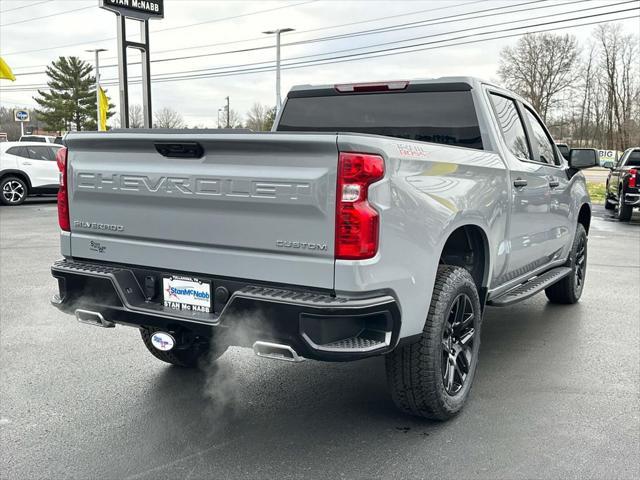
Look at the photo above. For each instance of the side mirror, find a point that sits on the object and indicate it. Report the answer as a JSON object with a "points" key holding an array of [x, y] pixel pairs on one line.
{"points": [[580, 158]]}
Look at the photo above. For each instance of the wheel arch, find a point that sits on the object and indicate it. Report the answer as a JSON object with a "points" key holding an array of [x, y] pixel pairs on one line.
{"points": [[584, 216], [16, 173], [467, 246]]}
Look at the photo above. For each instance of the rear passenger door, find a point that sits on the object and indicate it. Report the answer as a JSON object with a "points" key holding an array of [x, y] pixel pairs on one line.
{"points": [[559, 231], [527, 246], [25, 163], [44, 171]]}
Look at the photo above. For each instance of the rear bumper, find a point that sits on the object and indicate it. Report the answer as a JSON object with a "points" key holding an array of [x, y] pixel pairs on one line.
{"points": [[632, 199], [317, 324]]}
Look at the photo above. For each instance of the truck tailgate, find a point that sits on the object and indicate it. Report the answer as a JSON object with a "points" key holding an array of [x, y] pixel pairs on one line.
{"points": [[254, 206]]}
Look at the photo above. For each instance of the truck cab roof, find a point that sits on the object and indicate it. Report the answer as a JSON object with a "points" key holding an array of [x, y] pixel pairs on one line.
{"points": [[472, 82]]}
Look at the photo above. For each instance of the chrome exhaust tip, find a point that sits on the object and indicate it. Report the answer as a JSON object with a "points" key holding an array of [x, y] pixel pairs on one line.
{"points": [[93, 318], [56, 300], [276, 351]]}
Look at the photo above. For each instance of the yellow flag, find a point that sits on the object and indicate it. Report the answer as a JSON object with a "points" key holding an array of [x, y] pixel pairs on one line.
{"points": [[104, 107], [5, 71]]}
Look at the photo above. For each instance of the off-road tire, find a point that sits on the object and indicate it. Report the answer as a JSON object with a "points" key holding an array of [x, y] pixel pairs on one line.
{"points": [[197, 356], [623, 212], [11, 180], [567, 291], [415, 371]]}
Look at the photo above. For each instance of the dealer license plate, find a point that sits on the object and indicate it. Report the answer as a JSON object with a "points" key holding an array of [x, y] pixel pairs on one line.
{"points": [[185, 293]]}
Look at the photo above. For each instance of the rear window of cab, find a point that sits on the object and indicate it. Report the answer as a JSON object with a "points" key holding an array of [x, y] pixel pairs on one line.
{"points": [[446, 117]]}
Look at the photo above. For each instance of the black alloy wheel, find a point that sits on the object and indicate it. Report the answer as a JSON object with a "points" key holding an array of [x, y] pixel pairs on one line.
{"points": [[569, 289], [580, 265], [457, 344]]}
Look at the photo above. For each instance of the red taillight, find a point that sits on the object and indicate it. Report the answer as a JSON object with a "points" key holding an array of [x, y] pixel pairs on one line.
{"points": [[356, 220], [371, 87], [63, 197], [632, 179]]}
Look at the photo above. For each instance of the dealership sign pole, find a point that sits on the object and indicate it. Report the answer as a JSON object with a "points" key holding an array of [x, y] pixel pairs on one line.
{"points": [[142, 11], [21, 116]]}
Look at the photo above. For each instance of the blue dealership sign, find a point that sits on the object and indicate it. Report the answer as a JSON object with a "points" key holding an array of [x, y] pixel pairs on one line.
{"points": [[21, 115]]}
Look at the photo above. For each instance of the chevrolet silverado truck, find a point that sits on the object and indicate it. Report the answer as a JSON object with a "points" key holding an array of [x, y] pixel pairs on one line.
{"points": [[375, 219], [623, 185]]}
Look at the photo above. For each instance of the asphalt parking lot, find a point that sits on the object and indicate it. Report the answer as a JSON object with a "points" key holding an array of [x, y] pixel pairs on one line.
{"points": [[556, 396]]}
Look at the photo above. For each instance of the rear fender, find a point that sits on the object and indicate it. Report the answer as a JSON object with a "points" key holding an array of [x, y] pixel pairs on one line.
{"points": [[428, 191]]}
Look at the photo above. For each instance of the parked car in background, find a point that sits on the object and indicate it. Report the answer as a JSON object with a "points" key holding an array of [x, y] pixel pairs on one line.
{"points": [[38, 138], [27, 169], [623, 185], [3, 137]]}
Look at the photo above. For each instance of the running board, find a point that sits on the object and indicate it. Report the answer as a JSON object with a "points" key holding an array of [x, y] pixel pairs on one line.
{"points": [[530, 288]]}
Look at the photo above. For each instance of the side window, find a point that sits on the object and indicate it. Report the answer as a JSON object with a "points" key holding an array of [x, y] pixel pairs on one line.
{"points": [[633, 159], [40, 153], [546, 152], [511, 124], [18, 151]]}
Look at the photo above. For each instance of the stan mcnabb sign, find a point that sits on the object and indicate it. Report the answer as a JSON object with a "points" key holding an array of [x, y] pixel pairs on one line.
{"points": [[140, 9]]}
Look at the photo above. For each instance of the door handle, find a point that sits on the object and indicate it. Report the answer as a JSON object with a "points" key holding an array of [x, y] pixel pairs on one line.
{"points": [[180, 150], [26, 163], [554, 183], [519, 183]]}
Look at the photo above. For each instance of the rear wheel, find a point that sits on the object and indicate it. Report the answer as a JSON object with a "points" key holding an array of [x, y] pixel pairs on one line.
{"points": [[198, 354], [623, 212], [13, 191], [432, 377], [569, 289]]}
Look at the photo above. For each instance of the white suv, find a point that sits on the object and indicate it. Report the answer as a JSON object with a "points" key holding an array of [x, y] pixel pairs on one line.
{"points": [[27, 168]]}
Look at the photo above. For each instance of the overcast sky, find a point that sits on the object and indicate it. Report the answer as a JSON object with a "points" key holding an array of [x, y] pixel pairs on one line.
{"points": [[28, 43]]}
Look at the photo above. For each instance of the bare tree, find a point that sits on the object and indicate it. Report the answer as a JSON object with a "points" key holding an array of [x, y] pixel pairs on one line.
{"points": [[618, 59], [610, 97], [8, 125], [234, 119], [168, 118], [260, 117], [589, 102], [540, 67], [588, 88], [136, 119]]}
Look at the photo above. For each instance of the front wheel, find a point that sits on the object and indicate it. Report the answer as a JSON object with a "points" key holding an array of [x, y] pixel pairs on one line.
{"points": [[569, 289], [432, 377]]}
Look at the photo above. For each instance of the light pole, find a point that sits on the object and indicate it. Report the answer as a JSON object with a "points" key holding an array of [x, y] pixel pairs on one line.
{"points": [[228, 113], [219, 110], [97, 52], [278, 32]]}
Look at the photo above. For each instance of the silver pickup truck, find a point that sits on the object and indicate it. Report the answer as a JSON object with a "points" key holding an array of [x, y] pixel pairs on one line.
{"points": [[376, 219]]}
